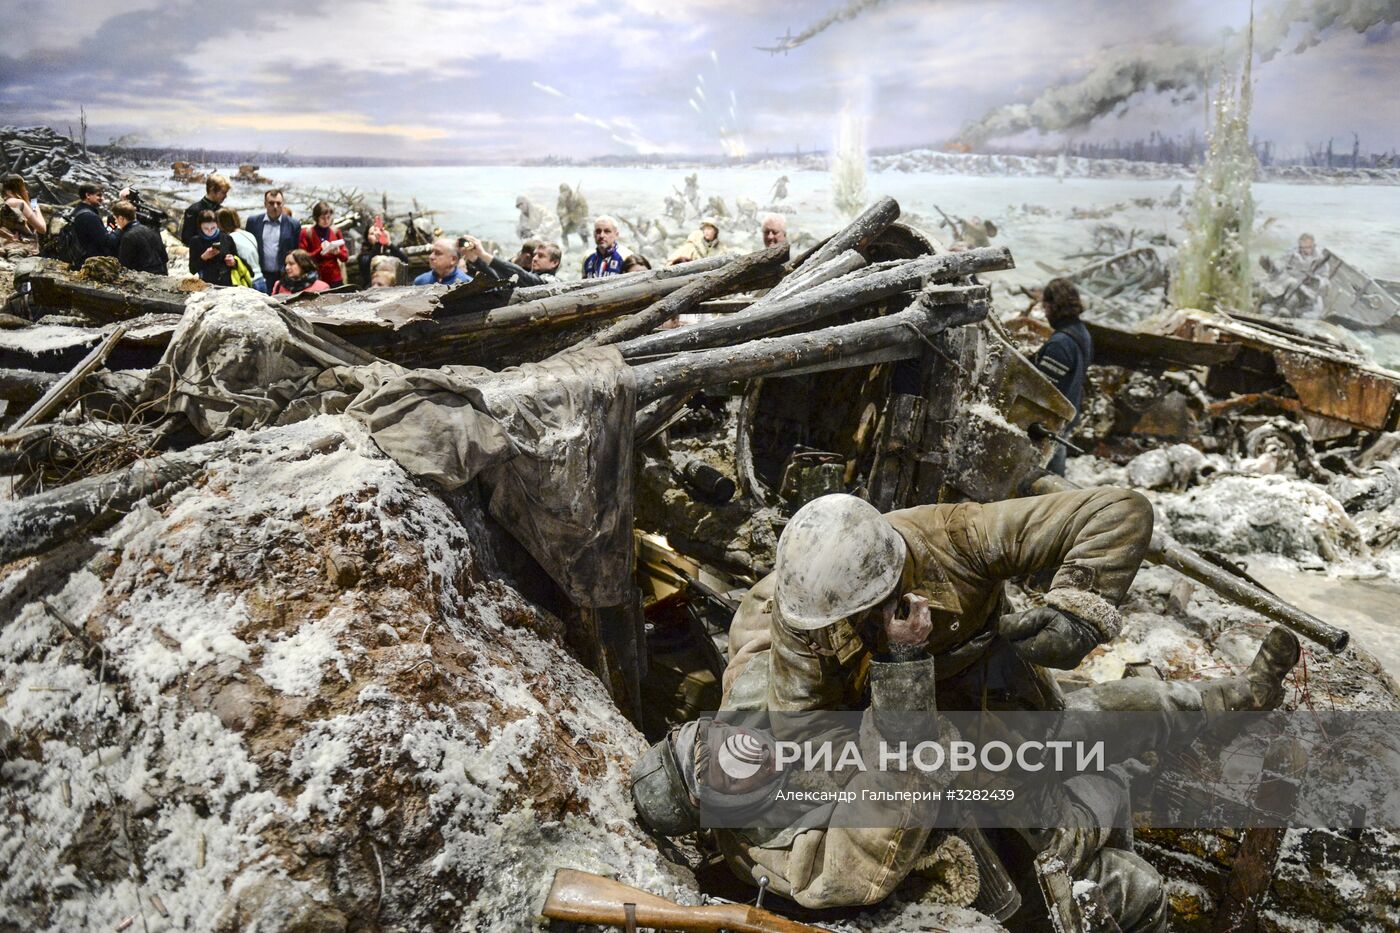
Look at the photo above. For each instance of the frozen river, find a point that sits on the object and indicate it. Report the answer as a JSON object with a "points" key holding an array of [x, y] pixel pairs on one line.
{"points": [[1361, 223], [1036, 215]]}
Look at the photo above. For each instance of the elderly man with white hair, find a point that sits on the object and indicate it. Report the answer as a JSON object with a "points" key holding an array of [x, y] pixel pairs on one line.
{"points": [[607, 257], [774, 230], [442, 265]]}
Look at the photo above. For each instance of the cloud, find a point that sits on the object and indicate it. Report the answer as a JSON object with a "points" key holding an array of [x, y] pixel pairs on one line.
{"points": [[583, 77], [339, 122]]}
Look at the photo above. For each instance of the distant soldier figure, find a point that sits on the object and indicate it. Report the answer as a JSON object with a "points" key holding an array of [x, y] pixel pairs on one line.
{"points": [[573, 214], [780, 191], [747, 212], [692, 190], [701, 244], [1307, 266], [536, 222], [975, 233], [675, 209], [715, 207]]}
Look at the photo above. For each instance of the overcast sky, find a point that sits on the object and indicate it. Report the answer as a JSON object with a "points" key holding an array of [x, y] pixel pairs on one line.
{"points": [[480, 81]]}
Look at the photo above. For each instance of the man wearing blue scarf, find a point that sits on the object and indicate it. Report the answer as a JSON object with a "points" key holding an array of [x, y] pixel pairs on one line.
{"points": [[607, 258]]}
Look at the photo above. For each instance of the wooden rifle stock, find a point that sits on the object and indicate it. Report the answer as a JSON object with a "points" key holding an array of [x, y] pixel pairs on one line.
{"points": [[581, 897]]}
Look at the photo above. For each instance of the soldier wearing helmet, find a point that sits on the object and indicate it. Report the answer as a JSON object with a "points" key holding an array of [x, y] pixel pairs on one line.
{"points": [[822, 632], [800, 640]]}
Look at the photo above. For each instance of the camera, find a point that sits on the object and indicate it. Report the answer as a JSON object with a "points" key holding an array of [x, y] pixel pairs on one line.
{"points": [[148, 215]]}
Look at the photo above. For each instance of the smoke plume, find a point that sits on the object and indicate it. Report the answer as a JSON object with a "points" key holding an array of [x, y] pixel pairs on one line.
{"points": [[1175, 68], [846, 13]]}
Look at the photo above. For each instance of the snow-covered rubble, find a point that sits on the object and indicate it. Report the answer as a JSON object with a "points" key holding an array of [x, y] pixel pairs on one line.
{"points": [[298, 696], [1326, 879], [1271, 514]]}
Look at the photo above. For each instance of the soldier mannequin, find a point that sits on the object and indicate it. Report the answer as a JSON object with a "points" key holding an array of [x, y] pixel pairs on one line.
{"points": [[820, 633]]}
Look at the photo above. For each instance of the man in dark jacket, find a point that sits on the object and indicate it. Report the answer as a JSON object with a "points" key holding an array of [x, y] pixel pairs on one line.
{"points": [[216, 188], [138, 247], [480, 262], [1066, 356], [277, 235], [90, 235]]}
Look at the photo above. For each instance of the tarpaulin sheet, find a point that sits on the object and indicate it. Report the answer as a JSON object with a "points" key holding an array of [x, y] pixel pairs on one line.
{"points": [[552, 440]]}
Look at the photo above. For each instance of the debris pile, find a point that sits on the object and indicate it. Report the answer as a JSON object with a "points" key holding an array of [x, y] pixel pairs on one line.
{"points": [[210, 644], [54, 165], [332, 613]]}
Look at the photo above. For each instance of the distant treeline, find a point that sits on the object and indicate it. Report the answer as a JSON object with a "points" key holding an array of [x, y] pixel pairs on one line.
{"points": [[1191, 150], [1178, 150], [165, 155]]}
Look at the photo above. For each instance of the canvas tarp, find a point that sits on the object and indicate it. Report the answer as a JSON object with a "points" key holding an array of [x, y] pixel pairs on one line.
{"points": [[551, 440]]}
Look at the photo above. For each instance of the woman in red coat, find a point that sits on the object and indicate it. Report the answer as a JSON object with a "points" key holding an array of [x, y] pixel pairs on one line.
{"points": [[325, 244]]}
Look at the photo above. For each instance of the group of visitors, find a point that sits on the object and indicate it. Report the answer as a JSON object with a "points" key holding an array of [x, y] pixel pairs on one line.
{"points": [[273, 253]]}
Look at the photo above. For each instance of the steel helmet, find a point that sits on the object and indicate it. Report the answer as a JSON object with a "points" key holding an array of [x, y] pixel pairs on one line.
{"points": [[837, 557]]}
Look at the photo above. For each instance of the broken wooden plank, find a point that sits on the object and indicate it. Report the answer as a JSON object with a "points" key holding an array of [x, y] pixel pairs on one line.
{"points": [[857, 235], [812, 276], [57, 396], [1253, 872], [656, 417]]}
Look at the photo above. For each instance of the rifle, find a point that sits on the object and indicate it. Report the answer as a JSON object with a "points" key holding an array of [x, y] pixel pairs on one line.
{"points": [[952, 224], [582, 897]]}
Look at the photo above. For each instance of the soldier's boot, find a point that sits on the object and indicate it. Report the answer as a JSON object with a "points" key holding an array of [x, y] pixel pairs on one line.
{"points": [[1260, 687]]}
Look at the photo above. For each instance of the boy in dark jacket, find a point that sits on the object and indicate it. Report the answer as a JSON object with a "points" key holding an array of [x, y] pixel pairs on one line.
{"points": [[138, 247], [1066, 356]]}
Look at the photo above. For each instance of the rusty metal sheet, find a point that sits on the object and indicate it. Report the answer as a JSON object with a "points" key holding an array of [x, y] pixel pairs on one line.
{"points": [[1329, 382], [1340, 390]]}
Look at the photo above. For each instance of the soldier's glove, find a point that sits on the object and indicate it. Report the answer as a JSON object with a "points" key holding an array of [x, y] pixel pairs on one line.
{"points": [[1049, 637]]}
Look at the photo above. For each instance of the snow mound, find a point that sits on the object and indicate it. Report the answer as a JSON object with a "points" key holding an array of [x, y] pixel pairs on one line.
{"points": [[1262, 515], [295, 697]]}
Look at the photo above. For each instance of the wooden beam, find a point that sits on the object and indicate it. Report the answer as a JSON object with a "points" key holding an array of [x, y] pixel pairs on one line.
{"points": [[811, 351], [732, 277], [852, 291], [57, 396]]}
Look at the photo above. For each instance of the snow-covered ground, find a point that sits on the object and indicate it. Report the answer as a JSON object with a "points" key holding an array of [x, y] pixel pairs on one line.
{"points": [[1358, 222], [299, 692], [1293, 536]]}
